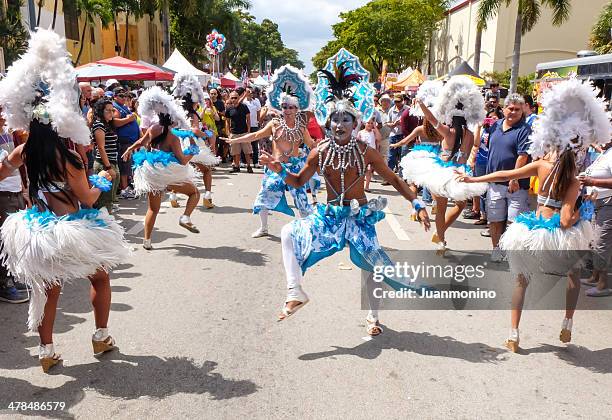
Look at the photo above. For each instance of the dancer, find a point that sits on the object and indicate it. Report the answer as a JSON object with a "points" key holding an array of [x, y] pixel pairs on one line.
{"points": [[290, 95], [342, 160], [188, 88], [549, 239], [57, 240], [459, 104], [165, 166]]}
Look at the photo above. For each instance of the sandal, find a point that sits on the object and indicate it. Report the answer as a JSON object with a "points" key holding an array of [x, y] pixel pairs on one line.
{"points": [[373, 327], [103, 346], [47, 357], [471, 215], [286, 312], [185, 222], [481, 222]]}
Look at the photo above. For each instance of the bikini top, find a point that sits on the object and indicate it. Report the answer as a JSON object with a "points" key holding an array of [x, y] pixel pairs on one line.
{"points": [[54, 189], [549, 202]]}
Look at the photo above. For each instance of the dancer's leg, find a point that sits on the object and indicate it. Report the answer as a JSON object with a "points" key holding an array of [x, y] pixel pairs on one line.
{"points": [[193, 196], [263, 219], [441, 203], [45, 330], [571, 294], [206, 176], [293, 271], [154, 205], [100, 295], [518, 298], [453, 214], [373, 302]]}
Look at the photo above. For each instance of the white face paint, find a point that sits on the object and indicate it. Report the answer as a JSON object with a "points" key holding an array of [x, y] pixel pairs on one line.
{"points": [[342, 126]]}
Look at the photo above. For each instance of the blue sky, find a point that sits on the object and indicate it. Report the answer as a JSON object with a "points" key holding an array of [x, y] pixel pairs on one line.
{"points": [[304, 26]]}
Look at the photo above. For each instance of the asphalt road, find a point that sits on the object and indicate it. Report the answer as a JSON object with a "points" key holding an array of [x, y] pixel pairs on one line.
{"points": [[195, 321]]}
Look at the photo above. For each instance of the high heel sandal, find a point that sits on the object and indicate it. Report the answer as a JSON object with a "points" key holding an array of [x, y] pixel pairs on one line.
{"points": [[373, 327], [47, 357], [103, 346], [174, 200], [512, 343], [566, 331]]}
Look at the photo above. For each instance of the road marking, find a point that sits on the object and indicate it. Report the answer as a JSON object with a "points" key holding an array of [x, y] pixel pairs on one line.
{"points": [[395, 225], [136, 229]]}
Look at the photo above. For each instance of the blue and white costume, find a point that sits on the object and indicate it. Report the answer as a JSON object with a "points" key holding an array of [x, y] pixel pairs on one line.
{"points": [[156, 169], [205, 156], [271, 196], [44, 250]]}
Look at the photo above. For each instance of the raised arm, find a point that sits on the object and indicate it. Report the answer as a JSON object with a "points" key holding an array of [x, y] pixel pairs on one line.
{"points": [[295, 180], [409, 138], [441, 127], [251, 137]]}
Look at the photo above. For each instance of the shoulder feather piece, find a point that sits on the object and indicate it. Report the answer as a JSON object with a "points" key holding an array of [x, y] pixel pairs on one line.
{"points": [[188, 84], [154, 101], [460, 97]]}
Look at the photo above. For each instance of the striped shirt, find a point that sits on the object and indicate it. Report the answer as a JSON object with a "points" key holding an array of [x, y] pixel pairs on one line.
{"points": [[110, 141]]}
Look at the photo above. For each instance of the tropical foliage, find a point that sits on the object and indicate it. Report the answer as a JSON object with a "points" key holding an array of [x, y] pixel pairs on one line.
{"points": [[601, 38]]}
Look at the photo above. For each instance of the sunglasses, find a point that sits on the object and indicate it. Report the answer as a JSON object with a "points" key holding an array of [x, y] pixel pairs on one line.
{"points": [[288, 107], [121, 95]]}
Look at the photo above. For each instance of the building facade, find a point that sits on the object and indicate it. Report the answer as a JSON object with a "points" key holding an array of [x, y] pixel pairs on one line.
{"points": [[144, 35], [455, 40]]}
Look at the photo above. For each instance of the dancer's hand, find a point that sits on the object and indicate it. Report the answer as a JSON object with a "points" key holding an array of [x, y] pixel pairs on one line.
{"points": [[267, 159], [225, 139], [462, 177], [424, 219], [127, 155], [105, 174]]}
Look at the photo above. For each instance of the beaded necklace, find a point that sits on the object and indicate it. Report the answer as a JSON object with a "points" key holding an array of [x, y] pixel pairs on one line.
{"points": [[344, 156], [292, 135]]}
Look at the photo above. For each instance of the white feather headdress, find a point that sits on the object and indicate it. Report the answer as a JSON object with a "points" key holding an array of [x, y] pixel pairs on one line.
{"points": [[188, 84], [46, 60], [154, 101], [573, 117], [428, 93], [460, 90]]}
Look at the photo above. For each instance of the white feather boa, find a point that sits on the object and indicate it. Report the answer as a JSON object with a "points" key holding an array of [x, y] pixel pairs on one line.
{"points": [[43, 250], [46, 60], [206, 156], [155, 177], [187, 83], [154, 101], [460, 89], [571, 110]]}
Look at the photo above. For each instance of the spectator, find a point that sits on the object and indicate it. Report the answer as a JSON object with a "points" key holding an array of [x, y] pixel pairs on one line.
{"points": [[370, 136], [480, 156], [529, 110], [111, 84], [394, 122], [385, 130], [408, 124], [508, 144], [210, 117], [254, 108], [107, 149], [11, 201], [493, 92], [128, 131], [598, 180], [86, 92], [219, 106], [237, 124]]}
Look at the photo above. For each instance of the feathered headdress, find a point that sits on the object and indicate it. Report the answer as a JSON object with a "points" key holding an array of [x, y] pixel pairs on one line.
{"points": [[188, 84], [343, 86], [42, 85], [460, 97], [289, 86], [428, 93], [573, 117], [154, 101]]}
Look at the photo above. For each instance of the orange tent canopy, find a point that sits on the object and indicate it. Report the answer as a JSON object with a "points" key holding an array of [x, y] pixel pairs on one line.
{"points": [[414, 79]]}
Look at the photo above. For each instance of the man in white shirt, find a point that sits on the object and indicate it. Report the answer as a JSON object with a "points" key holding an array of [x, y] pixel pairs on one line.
{"points": [[394, 123], [254, 107], [11, 201]]}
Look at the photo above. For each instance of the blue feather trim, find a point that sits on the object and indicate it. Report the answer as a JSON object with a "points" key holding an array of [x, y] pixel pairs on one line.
{"points": [[529, 219], [153, 157], [101, 183], [33, 216], [191, 150]]}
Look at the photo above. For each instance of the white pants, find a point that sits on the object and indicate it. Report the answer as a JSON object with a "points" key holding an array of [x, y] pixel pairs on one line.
{"points": [[293, 271]]}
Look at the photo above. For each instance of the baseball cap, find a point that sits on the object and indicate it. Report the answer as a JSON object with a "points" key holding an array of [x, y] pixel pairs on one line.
{"points": [[385, 97]]}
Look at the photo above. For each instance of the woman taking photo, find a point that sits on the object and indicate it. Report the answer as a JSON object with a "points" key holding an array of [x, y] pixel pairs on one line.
{"points": [[106, 150]]}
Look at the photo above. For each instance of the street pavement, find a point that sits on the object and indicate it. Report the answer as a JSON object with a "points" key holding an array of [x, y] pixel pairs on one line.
{"points": [[195, 321]]}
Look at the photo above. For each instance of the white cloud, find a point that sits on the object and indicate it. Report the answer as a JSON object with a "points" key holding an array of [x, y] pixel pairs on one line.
{"points": [[304, 26]]}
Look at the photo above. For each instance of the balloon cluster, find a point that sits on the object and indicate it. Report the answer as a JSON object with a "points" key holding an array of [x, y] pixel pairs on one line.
{"points": [[215, 42]]}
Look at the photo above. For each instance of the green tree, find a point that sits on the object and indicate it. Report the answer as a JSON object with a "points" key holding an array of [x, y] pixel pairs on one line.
{"points": [[601, 39], [394, 30], [528, 15], [524, 83], [91, 10], [13, 35]]}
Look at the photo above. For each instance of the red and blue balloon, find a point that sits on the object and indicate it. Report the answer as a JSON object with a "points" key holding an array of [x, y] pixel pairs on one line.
{"points": [[215, 42]]}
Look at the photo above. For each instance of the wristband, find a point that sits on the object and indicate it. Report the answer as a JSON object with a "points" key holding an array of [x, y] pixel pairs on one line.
{"points": [[418, 204], [101, 183], [283, 174], [192, 150]]}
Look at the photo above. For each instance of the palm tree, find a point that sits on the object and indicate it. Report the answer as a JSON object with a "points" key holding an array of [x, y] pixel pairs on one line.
{"points": [[40, 5], [477, 49], [93, 10], [527, 16]]}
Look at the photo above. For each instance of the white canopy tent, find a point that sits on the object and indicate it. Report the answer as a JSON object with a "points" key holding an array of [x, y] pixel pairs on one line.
{"points": [[178, 63], [260, 81]]}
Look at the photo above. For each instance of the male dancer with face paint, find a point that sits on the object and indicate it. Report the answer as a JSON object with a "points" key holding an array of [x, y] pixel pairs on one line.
{"points": [[347, 217]]}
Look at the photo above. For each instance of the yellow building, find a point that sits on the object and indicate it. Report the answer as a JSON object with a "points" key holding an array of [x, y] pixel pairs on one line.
{"points": [[455, 40], [144, 35]]}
